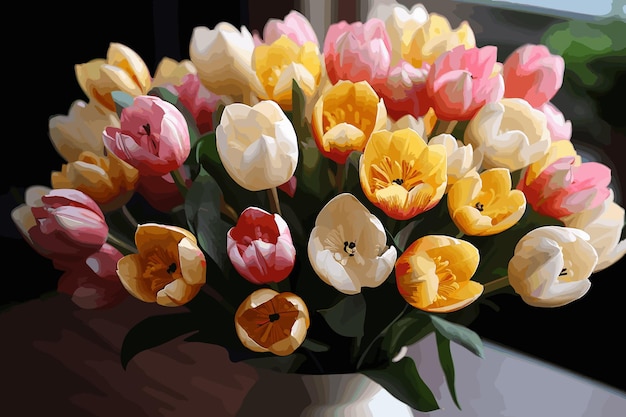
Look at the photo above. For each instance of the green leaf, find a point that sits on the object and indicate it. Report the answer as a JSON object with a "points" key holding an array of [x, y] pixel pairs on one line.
{"points": [[347, 317], [403, 381], [202, 210], [406, 331], [447, 365], [459, 334], [121, 100], [154, 331], [402, 237], [314, 345]]}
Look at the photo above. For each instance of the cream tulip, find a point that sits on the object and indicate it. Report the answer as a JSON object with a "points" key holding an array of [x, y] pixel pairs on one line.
{"points": [[604, 225], [223, 58], [401, 24], [257, 145], [462, 159], [170, 71], [551, 266], [510, 133], [347, 247], [80, 130]]}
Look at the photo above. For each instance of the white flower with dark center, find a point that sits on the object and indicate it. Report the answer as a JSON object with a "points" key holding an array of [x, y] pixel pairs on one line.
{"points": [[348, 246]]}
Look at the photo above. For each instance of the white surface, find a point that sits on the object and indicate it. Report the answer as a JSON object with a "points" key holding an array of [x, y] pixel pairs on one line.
{"points": [[509, 384]]}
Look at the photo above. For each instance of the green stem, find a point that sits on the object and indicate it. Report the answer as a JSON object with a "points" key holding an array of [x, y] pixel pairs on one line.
{"points": [[443, 126], [460, 235], [495, 285], [120, 245], [129, 217], [180, 182], [272, 194], [218, 297], [339, 177]]}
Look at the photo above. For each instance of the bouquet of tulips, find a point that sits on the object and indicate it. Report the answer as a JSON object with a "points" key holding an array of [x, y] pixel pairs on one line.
{"points": [[317, 207]]}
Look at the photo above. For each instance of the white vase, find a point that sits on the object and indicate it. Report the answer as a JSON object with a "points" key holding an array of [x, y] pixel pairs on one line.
{"points": [[328, 395]]}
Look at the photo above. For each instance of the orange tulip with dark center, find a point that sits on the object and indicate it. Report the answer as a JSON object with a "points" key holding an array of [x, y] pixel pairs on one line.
{"points": [[268, 321]]}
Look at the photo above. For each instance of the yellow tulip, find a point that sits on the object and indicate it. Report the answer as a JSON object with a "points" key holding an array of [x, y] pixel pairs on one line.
{"points": [[108, 180], [435, 37], [485, 204], [279, 63], [401, 174], [168, 269], [122, 70], [268, 321], [434, 274], [345, 117], [170, 71]]}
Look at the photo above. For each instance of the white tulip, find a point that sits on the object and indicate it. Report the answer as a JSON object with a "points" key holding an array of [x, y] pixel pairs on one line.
{"points": [[408, 121], [80, 130], [461, 158], [257, 145], [348, 246], [551, 266], [604, 225], [510, 133], [223, 58]]}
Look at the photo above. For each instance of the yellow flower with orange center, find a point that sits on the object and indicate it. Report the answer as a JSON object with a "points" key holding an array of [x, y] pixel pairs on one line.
{"points": [[168, 269], [401, 174], [483, 205], [345, 117], [268, 321], [279, 63], [434, 274], [108, 180]]}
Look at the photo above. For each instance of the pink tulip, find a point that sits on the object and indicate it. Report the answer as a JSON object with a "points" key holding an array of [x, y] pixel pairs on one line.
{"points": [[93, 282], [531, 72], [295, 25], [260, 246], [357, 51], [62, 223], [560, 129], [404, 90], [290, 186], [200, 102], [162, 193], [153, 136], [461, 81], [564, 188]]}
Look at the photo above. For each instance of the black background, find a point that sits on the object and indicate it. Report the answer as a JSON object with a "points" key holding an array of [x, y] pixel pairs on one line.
{"points": [[39, 57]]}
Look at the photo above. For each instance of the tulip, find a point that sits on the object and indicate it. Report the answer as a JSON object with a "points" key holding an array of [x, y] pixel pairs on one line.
{"points": [[483, 205], [401, 23], [347, 246], [161, 192], [345, 117], [462, 81], [60, 224], [122, 70], [604, 225], [200, 102], [436, 37], [260, 246], [80, 130], [223, 58], [551, 265], [401, 174], [281, 62], [409, 122], [169, 268], [153, 136], [257, 145], [172, 72], [434, 274], [559, 128], [357, 51], [566, 186], [108, 180], [295, 26], [462, 159], [534, 74], [93, 282], [268, 321], [510, 133], [404, 90]]}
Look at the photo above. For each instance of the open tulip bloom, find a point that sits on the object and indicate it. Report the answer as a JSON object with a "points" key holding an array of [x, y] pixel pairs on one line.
{"points": [[319, 207]]}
